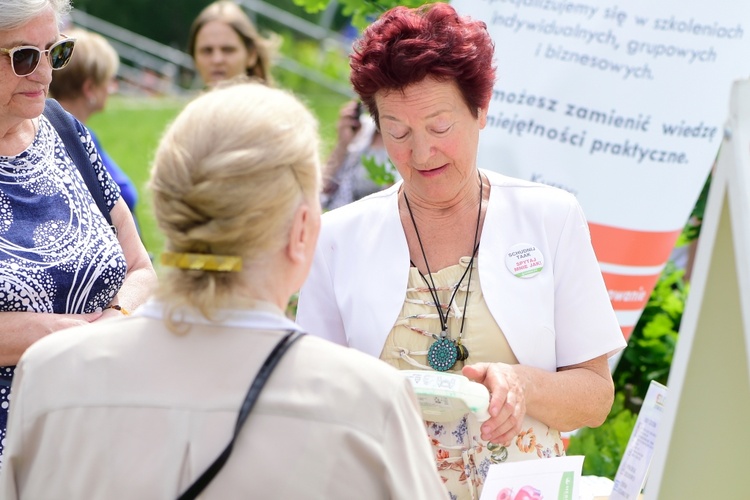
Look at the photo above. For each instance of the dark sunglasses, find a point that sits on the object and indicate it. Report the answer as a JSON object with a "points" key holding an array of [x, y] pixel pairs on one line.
{"points": [[24, 60]]}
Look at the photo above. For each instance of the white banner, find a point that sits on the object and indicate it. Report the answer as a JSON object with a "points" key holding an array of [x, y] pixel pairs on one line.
{"points": [[623, 105]]}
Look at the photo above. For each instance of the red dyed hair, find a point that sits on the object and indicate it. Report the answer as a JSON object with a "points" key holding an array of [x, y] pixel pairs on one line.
{"points": [[404, 46]]}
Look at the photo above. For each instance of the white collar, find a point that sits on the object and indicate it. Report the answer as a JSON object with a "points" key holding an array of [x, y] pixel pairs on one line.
{"points": [[264, 316]]}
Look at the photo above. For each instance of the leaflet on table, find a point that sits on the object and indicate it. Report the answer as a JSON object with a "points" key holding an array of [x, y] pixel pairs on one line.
{"points": [[631, 474], [550, 478]]}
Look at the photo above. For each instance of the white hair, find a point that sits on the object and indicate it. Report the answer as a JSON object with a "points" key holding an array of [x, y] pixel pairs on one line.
{"points": [[16, 13]]}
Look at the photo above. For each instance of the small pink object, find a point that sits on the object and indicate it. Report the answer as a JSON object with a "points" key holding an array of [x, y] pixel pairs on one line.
{"points": [[505, 494], [528, 493]]}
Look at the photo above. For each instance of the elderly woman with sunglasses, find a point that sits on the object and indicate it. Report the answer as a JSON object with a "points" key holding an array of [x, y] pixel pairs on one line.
{"points": [[61, 264]]}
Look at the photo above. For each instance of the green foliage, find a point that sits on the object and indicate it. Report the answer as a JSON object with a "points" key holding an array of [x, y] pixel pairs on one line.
{"points": [[650, 349], [312, 5], [380, 174], [648, 356], [332, 63], [362, 12], [130, 130], [692, 228], [604, 446], [328, 60], [166, 21]]}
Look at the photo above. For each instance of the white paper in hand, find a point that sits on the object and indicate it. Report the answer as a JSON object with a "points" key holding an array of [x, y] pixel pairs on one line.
{"points": [[446, 397]]}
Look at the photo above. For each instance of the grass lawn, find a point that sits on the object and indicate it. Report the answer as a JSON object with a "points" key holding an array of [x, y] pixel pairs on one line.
{"points": [[130, 129]]}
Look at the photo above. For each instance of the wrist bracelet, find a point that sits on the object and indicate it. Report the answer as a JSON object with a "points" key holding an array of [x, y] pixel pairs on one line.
{"points": [[117, 307]]}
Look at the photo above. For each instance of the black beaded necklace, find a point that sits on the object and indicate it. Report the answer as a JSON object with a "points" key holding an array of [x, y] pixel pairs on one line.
{"points": [[444, 351]]}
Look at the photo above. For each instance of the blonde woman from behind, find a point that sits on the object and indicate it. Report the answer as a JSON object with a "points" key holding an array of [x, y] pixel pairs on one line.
{"points": [[235, 190]]}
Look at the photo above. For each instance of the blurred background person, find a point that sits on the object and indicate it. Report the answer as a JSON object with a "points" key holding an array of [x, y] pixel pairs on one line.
{"points": [[345, 177], [83, 87], [235, 187], [61, 264], [224, 43]]}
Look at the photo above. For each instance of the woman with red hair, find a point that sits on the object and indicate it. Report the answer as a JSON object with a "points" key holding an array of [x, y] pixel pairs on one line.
{"points": [[457, 268]]}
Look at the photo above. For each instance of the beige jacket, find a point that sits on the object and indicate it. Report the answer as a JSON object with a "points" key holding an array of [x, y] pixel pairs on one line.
{"points": [[127, 409]]}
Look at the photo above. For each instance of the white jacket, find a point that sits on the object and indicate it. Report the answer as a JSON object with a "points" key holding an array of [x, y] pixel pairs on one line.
{"points": [[559, 316]]}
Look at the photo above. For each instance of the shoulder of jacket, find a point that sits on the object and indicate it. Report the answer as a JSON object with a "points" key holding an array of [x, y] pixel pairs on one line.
{"points": [[533, 192], [363, 369]]}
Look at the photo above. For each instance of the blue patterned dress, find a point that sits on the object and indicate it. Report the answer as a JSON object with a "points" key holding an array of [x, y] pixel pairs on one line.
{"points": [[57, 252]]}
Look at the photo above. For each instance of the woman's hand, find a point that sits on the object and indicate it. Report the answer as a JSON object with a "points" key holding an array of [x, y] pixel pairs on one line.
{"points": [[569, 398], [507, 400], [50, 323], [110, 313], [21, 329]]}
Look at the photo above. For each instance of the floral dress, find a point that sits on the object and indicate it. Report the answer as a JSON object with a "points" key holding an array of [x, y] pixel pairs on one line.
{"points": [[462, 457], [58, 254]]}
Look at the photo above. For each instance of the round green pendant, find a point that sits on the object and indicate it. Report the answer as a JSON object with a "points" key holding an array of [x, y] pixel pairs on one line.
{"points": [[442, 354]]}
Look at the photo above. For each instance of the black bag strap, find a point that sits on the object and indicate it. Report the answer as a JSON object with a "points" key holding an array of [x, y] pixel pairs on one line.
{"points": [[67, 128], [252, 395]]}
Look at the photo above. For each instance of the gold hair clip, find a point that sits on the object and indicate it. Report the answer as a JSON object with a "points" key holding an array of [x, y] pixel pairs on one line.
{"points": [[202, 262]]}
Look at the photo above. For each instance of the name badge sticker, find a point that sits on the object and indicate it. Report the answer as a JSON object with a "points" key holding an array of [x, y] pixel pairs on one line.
{"points": [[524, 260]]}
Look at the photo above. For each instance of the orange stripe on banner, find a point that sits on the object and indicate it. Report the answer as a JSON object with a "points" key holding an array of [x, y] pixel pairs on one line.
{"points": [[626, 247], [629, 293], [626, 331]]}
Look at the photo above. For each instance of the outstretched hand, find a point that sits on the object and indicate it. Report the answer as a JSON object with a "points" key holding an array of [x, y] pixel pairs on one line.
{"points": [[507, 400]]}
